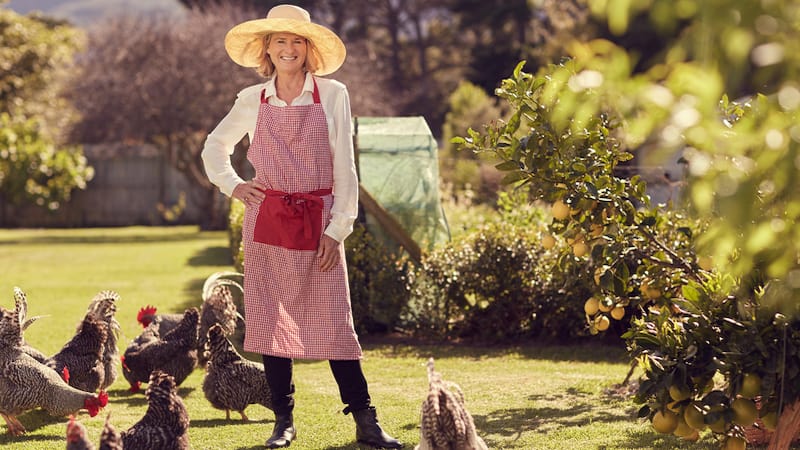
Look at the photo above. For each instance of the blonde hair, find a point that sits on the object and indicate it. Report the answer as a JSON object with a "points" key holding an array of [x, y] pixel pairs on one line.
{"points": [[266, 68]]}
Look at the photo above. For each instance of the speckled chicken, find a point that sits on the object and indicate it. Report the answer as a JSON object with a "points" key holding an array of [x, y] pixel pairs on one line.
{"points": [[110, 438], [232, 383], [166, 422], [77, 436], [218, 308], [445, 422], [21, 301], [104, 307], [82, 357], [27, 384], [174, 353], [78, 439]]}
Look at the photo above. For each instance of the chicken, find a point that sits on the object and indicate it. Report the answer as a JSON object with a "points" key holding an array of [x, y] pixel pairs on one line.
{"points": [[82, 356], [104, 307], [77, 437], [218, 308], [166, 422], [231, 381], [110, 438], [174, 353], [21, 301], [27, 384], [445, 423]]}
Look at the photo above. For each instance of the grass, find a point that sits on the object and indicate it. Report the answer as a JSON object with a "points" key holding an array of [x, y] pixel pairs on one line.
{"points": [[521, 397]]}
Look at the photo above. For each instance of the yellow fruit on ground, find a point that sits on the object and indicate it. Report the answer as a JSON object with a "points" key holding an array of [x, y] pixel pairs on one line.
{"points": [[579, 249], [560, 210], [751, 385], [734, 443], [618, 312], [602, 323], [683, 429], [548, 242], [770, 420], [694, 416], [591, 306], [679, 392], [744, 411], [665, 422]]}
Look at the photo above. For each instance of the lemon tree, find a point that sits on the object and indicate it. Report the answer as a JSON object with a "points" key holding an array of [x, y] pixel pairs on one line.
{"points": [[711, 284]]}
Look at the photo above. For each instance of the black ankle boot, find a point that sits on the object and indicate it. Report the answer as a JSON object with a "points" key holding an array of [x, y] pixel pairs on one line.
{"points": [[284, 432], [369, 432]]}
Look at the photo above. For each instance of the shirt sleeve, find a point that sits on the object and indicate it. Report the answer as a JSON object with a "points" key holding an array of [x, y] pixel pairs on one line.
{"points": [[345, 179], [220, 144]]}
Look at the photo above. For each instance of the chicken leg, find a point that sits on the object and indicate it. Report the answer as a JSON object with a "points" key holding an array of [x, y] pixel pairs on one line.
{"points": [[15, 427]]}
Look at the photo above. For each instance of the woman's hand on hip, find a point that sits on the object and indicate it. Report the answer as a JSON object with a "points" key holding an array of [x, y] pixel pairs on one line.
{"points": [[328, 253], [250, 193]]}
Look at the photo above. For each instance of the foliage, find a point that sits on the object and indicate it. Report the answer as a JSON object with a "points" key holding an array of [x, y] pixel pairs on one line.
{"points": [[34, 170], [573, 125], [499, 274], [235, 221], [377, 279]]}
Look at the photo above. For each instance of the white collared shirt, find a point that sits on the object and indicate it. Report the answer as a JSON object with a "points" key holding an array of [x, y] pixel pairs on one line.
{"points": [[242, 118]]}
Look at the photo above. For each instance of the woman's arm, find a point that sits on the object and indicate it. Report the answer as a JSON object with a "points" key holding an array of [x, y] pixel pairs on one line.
{"points": [[345, 180]]}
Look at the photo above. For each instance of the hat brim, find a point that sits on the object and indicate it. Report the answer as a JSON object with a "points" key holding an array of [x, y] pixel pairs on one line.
{"points": [[244, 42]]}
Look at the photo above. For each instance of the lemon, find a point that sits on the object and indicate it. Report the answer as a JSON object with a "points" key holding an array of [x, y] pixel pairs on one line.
{"points": [[694, 416], [665, 422], [679, 393], [591, 306], [694, 436], [605, 305], [560, 210], [744, 411], [770, 420], [683, 429], [579, 249], [548, 242], [602, 323], [734, 443], [618, 312], [751, 385]]}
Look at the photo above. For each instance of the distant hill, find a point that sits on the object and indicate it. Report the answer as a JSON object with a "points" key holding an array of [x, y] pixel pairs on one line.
{"points": [[85, 12]]}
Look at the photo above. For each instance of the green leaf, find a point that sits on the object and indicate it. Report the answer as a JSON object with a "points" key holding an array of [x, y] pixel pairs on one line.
{"points": [[508, 165]]}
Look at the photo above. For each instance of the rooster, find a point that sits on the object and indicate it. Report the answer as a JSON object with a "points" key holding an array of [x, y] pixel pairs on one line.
{"points": [[231, 381], [174, 353], [165, 424], [80, 360], [27, 384], [104, 307], [445, 422]]}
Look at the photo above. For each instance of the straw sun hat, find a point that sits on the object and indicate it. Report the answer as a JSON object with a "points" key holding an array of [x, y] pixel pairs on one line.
{"points": [[244, 42]]}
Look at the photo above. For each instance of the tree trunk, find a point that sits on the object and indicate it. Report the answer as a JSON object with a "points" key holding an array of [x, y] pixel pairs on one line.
{"points": [[788, 426]]}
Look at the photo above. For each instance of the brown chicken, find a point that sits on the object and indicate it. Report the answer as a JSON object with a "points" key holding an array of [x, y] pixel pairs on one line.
{"points": [[231, 381], [104, 307], [445, 422], [166, 422], [82, 356], [77, 437], [110, 438], [174, 353], [27, 384]]}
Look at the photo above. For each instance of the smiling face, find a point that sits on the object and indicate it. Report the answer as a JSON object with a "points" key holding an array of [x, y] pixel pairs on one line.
{"points": [[287, 52]]}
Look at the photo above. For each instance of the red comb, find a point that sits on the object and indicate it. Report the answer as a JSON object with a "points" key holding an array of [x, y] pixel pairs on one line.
{"points": [[144, 317], [102, 397], [65, 374]]}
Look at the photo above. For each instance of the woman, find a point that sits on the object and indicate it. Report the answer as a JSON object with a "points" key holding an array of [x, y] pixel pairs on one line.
{"points": [[299, 209]]}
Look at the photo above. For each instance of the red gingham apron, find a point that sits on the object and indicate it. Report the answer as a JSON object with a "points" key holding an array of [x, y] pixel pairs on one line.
{"points": [[292, 309]]}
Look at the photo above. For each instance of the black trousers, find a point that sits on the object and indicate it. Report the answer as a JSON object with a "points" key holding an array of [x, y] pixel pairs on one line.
{"points": [[348, 374]]}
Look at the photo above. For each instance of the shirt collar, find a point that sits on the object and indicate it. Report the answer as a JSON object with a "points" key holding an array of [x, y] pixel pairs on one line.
{"points": [[308, 86]]}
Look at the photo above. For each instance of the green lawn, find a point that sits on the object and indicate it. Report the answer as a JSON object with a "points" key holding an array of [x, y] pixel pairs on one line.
{"points": [[521, 397]]}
